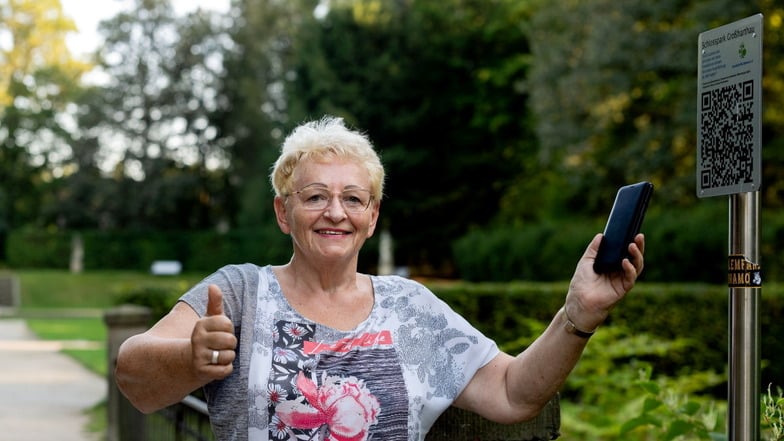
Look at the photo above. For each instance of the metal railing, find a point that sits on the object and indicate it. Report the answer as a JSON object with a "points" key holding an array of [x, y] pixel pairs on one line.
{"points": [[187, 420]]}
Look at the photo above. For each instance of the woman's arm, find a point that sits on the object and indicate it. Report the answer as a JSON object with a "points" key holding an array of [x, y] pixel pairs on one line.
{"points": [[173, 358], [512, 389]]}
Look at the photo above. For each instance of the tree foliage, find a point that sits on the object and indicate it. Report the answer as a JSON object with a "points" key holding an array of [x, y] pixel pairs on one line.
{"points": [[439, 88], [38, 77], [148, 153], [496, 113], [614, 93], [256, 115]]}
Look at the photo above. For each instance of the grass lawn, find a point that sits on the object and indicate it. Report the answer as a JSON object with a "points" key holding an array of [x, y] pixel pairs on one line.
{"points": [[52, 289], [90, 331]]}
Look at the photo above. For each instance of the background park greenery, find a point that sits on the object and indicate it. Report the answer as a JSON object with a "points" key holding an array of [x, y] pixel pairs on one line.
{"points": [[505, 127], [500, 122]]}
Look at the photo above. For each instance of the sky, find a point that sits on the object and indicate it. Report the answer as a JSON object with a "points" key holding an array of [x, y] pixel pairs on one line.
{"points": [[88, 13]]}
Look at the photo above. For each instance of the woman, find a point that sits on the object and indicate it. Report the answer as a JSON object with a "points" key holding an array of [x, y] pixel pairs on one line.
{"points": [[315, 350]]}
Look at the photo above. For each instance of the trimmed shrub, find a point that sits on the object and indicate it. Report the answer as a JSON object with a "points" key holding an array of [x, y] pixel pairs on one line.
{"points": [[34, 248], [542, 252], [696, 312], [681, 246]]}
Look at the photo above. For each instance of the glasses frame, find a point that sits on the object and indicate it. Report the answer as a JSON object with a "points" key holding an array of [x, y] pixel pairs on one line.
{"points": [[332, 196]]}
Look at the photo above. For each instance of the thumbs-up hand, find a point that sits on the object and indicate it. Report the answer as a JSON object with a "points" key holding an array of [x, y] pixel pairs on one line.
{"points": [[213, 342]]}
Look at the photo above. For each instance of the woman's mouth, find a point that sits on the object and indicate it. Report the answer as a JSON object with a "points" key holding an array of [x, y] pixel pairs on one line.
{"points": [[332, 232]]}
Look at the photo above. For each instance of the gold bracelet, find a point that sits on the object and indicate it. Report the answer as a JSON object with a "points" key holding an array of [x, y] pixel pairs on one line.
{"points": [[571, 328]]}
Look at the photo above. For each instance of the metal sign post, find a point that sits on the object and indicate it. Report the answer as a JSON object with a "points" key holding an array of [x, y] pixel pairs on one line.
{"points": [[744, 330], [728, 161]]}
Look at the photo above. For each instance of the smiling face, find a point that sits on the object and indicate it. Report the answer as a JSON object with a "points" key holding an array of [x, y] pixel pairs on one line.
{"points": [[331, 235]]}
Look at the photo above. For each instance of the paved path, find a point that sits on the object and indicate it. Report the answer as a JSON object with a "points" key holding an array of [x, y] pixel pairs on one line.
{"points": [[44, 394]]}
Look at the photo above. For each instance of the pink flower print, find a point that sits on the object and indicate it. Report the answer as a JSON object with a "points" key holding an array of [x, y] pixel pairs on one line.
{"points": [[345, 406]]}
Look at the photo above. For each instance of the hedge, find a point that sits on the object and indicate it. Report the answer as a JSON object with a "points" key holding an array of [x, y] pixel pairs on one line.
{"points": [[695, 311], [198, 251], [681, 246], [699, 312], [136, 250]]}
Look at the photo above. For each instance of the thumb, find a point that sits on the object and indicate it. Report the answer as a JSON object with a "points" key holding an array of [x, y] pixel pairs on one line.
{"points": [[593, 248], [214, 300]]}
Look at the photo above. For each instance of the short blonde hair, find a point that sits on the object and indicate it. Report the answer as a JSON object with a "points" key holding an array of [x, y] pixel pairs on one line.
{"points": [[319, 139]]}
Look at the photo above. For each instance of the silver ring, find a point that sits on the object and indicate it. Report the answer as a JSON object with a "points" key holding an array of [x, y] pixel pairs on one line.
{"points": [[215, 355]]}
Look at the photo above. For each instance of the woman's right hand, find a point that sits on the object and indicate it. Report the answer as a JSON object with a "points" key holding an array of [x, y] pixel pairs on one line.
{"points": [[213, 343]]}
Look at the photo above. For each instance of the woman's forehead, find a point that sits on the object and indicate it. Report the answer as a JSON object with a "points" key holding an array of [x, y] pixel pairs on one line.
{"points": [[331, 170]]}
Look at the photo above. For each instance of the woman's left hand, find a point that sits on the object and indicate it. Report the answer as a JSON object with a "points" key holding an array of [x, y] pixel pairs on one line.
{"points": [[592, 296]]}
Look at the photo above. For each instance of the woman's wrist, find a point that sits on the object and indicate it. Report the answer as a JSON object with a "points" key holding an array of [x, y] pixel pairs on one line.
{"points": [[573, 327]]}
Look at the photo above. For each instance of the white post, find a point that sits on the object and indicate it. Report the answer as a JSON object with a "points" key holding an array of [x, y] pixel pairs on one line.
{"points": [[386, 259]]}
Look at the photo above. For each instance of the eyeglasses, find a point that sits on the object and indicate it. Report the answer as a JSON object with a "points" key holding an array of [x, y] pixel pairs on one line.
{"points": [[354, 200]]}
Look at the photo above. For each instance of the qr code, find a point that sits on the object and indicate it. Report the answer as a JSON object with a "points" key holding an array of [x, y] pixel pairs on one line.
{"points": [[727, 134]]}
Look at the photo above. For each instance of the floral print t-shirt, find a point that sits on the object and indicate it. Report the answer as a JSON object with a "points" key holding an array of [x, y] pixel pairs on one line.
{"points": [[294, 379]]}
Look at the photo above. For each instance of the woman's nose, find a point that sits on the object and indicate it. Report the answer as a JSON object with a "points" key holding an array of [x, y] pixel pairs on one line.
{"points": [[335, 210]]}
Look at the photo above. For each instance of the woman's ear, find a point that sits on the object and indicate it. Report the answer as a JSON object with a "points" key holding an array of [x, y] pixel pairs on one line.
{"points": [[281, 214], [376, 209]]}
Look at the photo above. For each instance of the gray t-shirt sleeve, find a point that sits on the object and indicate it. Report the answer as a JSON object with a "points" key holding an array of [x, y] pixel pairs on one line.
{"points": [[235, 281], [228, 398]]}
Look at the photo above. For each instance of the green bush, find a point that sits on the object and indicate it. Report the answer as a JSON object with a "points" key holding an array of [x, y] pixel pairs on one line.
{"points": [[696, 313], [670, 410], [773, 413], [682, 246], [542, 252], [210, 250], [137, 250], [687, 246], [159, 300], [34, 248]]}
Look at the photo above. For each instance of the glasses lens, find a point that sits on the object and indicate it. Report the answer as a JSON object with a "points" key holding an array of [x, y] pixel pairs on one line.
{"points": [[354, 201], [314, 199]]}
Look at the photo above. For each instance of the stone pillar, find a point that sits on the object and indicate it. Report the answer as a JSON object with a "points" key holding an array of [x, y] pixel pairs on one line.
{"points": [[9, 293], [76, 263], [125, 422]]}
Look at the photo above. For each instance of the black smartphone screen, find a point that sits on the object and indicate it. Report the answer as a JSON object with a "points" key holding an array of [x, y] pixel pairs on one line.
{"points": [[623, 225]]}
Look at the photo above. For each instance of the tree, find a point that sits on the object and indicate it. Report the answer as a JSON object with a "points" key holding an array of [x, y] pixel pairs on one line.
{"points": [[773, 105], [439, 88], [256, 114], [38, 79], [614, 94], [152, 117]]}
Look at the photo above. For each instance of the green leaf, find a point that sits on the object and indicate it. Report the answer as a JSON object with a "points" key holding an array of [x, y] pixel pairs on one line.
{"points": [[650, 387], [640, 421], [678, 428], [651, 404], [690, 408]]}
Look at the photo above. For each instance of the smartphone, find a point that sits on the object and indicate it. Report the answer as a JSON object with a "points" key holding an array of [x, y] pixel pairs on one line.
{"points": [[623, 225]]}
